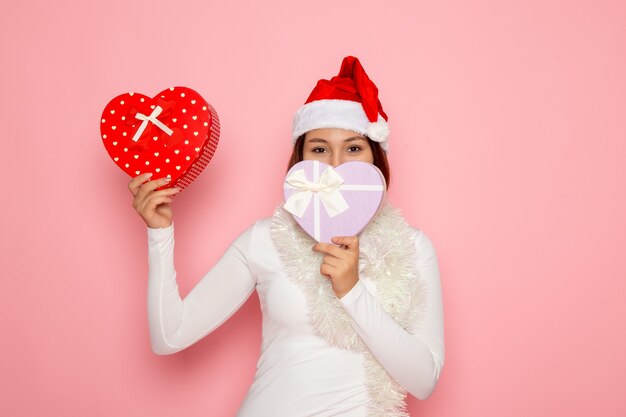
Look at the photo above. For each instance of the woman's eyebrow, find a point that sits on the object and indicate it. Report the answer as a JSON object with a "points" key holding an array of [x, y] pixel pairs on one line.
{"points": [[352, 139], [345, 140]]}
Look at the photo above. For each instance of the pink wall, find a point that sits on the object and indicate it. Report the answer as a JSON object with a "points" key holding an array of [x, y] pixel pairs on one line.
{"points": [[508, 149]]}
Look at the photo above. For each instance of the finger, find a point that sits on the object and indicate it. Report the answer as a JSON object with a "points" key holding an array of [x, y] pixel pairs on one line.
{"points": [[319, 247], [349, 242], [329, 249], [332, 261], [136, 182], [165, 192], [152, 203], [326, 270], [149, 187]]}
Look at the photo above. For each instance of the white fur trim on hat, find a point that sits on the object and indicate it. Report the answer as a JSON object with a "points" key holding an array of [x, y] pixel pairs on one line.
{"points": [[339, 114]]}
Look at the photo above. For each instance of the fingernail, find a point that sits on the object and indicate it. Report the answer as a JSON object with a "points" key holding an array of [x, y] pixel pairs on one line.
{"points": [[167, 179], [148, 175]]}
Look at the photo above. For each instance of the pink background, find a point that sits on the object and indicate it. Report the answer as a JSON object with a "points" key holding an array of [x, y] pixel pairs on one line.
{"points": [[508, 149]]}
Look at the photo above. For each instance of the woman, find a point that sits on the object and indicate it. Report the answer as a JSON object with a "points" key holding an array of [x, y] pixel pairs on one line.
{"points": [[349, 327]]}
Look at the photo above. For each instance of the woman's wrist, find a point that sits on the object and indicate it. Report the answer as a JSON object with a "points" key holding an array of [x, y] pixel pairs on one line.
{"points": [[160, 225]]}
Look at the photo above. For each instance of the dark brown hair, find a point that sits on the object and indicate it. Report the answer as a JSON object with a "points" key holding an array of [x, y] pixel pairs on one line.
{"points": [[380, 156]]}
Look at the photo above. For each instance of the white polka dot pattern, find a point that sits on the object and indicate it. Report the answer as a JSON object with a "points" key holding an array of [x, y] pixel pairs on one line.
{"points": [[186, 152]]}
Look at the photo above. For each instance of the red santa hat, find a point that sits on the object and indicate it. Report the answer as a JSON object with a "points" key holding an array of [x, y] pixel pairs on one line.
{"points": [[347, 101]]}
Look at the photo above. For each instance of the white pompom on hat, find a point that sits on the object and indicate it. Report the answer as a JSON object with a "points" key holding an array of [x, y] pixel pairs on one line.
{"points": [[347, 101]]}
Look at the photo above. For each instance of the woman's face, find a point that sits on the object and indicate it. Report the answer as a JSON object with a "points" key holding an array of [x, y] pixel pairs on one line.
{"points": [[336, 146]]}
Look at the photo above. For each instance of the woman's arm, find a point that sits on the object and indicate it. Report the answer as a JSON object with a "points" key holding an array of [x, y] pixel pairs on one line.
{"points": [[176, 324], [413, 360]]}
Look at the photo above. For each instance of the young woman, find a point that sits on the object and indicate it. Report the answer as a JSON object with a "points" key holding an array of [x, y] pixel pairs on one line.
{"points": [[348, 328]]}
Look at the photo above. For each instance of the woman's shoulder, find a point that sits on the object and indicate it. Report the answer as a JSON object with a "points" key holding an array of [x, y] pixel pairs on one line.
{"points": [[421, 238], [395, 219], [259, 229], [263, 223], [261, 226], [424, 244], [424, 247]]}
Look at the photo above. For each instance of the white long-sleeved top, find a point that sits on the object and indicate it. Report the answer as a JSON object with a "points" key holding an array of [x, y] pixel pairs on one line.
{"points": [[298, 373]]}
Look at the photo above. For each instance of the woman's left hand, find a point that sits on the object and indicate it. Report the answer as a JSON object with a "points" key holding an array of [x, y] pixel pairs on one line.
{"points": [[340, 263]]}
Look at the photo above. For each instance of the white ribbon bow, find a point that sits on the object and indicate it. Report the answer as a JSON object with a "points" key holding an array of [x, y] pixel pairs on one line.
{"points": [[327, 188], [152, 118]]}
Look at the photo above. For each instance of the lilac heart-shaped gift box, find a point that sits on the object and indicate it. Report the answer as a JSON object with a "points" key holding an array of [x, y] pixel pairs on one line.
{"points": [[328, 202]]}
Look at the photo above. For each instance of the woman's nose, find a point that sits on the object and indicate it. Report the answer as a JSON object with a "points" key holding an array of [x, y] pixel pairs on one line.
{"points": [[336, 160]]}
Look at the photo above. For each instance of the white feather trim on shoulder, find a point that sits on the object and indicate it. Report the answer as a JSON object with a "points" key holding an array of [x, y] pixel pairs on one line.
{"points": [[387, 256]]}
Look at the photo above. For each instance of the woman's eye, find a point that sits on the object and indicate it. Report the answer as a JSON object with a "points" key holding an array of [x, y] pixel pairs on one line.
{"points": [[354, 148], [318, 150]]}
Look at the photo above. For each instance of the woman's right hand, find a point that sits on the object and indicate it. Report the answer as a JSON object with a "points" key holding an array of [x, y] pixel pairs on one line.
{"points": [[153, 206]]}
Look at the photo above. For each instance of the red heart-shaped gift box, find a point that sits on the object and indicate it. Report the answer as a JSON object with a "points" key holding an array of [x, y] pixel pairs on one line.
{"points": [[173, 134]]}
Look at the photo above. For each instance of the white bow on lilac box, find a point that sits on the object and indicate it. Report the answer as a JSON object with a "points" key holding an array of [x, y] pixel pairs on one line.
{"points": [[328, 202]]}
